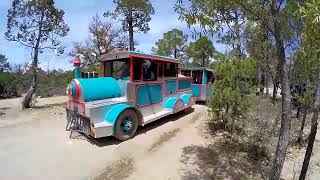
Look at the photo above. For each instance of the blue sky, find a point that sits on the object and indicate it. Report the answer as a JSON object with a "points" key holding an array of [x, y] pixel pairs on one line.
{"points": [[78, 14]]}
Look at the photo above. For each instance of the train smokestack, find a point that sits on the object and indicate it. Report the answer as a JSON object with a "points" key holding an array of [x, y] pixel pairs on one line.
{"points": [[76, 65]]}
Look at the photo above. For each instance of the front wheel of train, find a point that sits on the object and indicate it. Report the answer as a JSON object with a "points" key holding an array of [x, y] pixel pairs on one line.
{"points": [[126, 125]]}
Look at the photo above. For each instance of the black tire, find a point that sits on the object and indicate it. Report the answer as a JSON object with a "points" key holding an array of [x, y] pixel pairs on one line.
{"points": [[126, 125]]}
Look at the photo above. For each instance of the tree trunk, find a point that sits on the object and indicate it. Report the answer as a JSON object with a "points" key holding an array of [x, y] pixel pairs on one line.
{"points": [[238, 36], [26, 102], [284, 133], [313, 131], [203, 61], [302, 126], [130, 24], [262, 82], [175, 53], [298, 110], [267, 85], [275, 91], [225, 119]]}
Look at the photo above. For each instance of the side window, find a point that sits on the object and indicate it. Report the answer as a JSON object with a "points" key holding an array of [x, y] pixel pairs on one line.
{"points": [[118, 69], [149, 70], [210, 78], [197, 76], [160, 69], [108, 69], [170, 70], [186, 72], [137, 64]]}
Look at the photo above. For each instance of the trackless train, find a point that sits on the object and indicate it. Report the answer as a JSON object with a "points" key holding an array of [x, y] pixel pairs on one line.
{"points": [[135, 89]]}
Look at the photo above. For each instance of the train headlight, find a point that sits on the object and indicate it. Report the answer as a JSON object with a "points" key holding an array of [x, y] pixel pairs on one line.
{"points": [[71, 89]]}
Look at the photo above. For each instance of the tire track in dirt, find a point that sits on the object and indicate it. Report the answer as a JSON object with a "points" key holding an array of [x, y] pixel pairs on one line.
{"points": [[149, 150]]}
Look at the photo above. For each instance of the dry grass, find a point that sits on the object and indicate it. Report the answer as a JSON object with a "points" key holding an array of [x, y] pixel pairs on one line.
{"points": [[222, 159], [244, 154], [118, 170]]}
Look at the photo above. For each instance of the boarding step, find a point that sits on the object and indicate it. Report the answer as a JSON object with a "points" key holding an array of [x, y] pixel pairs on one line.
{"points": [[155, 116], [102, 124]]}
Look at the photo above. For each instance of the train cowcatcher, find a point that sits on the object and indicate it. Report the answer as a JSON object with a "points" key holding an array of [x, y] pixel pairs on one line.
{"points": [[134, 89]]}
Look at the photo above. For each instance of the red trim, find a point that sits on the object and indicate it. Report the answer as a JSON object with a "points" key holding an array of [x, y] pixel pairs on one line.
{"points": [[141, 75], [135, 94], [78, 88], [162, 70], [148, 82], [154, 58], [184, 90], [163, 88], [102, 69], [158, 69], [131, 69]]}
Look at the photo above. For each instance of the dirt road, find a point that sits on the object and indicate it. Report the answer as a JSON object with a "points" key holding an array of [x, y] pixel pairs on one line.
{"points": [[34, 145]]}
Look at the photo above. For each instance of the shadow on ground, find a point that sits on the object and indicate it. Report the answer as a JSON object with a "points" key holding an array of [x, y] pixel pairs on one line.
{"points": [[3, 109], [106, 141], [49, 105], [224, 157], [220, 160], [203, 103], [100, 142]]}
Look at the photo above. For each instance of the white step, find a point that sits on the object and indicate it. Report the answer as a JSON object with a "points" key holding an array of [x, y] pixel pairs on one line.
{"points": [[102, 124], [155, 116]]}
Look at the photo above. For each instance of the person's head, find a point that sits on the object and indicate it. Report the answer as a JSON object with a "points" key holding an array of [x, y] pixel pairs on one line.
{"points": [[147, 64]]}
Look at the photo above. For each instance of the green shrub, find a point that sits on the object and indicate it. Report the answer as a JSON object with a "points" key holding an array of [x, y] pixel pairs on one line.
{"points": [[8, 84], [235, 89]]}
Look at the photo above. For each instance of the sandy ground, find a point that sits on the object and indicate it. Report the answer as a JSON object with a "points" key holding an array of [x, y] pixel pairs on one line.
{"points": [[295, 156], [35, 145]]}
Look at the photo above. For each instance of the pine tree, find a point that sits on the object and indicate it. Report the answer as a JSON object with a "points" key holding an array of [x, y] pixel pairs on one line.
{"points": [[36, 24]]}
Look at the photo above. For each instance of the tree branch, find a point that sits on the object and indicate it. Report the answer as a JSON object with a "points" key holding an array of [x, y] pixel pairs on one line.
{"points": [[22, 43], [257, 16]]}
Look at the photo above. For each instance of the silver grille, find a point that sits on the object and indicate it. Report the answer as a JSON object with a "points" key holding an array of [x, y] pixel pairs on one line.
{"points": [[77, 123]]}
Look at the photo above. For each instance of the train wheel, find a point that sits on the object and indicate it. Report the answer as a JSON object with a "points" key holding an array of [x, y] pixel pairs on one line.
{"points": [[189, 108], [126, 125]]}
